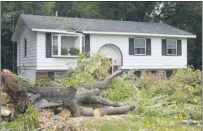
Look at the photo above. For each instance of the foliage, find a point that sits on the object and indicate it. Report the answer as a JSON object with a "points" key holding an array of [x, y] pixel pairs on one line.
{"points": [[120, 90], [90, 69], [188, 76], [10, 13], [74, 51], [148, 79], [42, 83], [183, 80], [27, 121], [23, 79], [174, 13], [39, 83], [184, 88], [64, 51]]}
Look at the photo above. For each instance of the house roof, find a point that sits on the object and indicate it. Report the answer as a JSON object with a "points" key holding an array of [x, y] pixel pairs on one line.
{"points": [[100, 25]]}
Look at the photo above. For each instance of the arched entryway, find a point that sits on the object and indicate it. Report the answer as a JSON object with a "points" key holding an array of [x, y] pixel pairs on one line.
{"points": [[112, 51]]}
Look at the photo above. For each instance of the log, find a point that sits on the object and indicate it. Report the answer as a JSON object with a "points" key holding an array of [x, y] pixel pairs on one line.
{"points": [[102, 101], [85, 111], [191, 122], [113, 110]]}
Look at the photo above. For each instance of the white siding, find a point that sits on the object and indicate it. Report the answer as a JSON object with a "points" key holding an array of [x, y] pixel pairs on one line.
{"points": [[27, 65], [44, 63], [155, 61], [30, 60]]}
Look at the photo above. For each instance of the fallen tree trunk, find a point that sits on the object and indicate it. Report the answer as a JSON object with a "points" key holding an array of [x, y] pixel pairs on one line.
{"points": [[70, 97], [113, 110]]}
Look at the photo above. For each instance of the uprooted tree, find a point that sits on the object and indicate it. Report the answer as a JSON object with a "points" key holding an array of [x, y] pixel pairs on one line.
{"points": [[70, 97]]}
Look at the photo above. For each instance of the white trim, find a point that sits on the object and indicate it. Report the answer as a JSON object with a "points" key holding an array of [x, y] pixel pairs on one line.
{"points": [[139, 34], [155, 68], [55, 31], [145, 46], [176, 48], [59, 45]]}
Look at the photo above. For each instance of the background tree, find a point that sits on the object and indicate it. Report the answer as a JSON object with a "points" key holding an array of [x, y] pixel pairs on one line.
{"points": [[183, 15], [10, 13]]}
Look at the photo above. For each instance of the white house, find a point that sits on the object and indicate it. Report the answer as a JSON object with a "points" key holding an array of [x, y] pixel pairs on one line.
{"points": [[48, 44]]}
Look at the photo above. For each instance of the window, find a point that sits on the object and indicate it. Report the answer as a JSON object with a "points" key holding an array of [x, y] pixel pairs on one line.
{"points": [[25, 47], [65, 45], [140, 46], [137, 73], [55, 45], [171, 46]]}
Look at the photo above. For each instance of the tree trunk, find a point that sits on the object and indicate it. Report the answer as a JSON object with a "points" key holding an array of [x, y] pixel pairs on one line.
{"points": [[113, 110], [70, 97]]}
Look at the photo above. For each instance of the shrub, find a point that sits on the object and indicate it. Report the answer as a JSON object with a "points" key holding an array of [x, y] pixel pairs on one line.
{"points": [[184, 80], [120, 90], [42, 83], [23, 79], [188, 76], [26, 121], [89, 69], [148, 79]]}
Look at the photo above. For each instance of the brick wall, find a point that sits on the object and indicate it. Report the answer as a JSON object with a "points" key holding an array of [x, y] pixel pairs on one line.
{"points": [[41, 75]]}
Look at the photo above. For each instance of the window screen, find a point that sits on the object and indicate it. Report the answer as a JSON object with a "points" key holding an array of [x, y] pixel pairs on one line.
{"points": [[55, 45], [171, 47], [140, 46]]}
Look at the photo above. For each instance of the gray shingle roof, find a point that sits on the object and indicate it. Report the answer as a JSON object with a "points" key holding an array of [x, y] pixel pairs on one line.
{"points": [[82, 24]]}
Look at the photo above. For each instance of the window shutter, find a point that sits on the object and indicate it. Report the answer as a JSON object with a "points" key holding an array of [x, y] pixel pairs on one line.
{"points": [[163, 46], [83, 44], [148, 46], [179, 48], [131, 46], [87, 43], [48, 45]]}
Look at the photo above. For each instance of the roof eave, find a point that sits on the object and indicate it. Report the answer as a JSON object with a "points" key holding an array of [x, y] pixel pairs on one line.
{"points": [[55, 31], [139, 34]]}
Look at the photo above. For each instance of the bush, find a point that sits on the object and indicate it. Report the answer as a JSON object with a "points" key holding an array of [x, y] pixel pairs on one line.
{"points": [[89, 69], [120, 90], [42, 83], [27, 121], [184, 80], [188, 76], [148, 79]]}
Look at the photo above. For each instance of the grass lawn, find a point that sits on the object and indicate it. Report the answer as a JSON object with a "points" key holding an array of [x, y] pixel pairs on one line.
{"points": [[143, 118]]}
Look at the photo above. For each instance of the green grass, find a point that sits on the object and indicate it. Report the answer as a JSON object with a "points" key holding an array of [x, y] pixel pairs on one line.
{"points": [[144, 118], [152, 119], [133, 123]]}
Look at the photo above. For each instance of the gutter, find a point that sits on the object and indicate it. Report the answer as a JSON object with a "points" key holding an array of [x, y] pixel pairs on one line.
{"points": [[139, 34]]}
